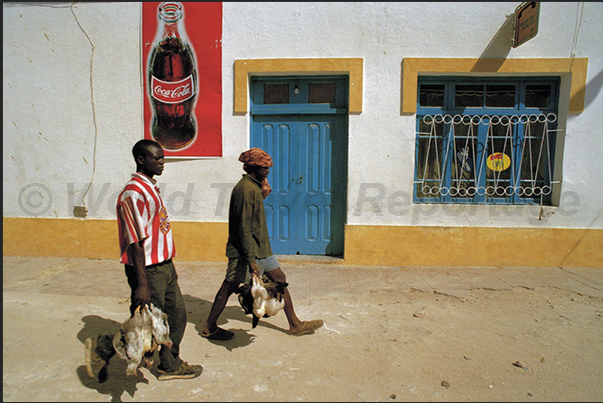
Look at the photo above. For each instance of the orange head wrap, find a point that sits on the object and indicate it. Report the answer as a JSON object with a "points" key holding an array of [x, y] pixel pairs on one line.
{"points": [[257, 157]]}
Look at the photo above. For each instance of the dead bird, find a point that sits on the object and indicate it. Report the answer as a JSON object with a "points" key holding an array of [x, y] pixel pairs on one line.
{"points": [[261, 297], [140, 335]]}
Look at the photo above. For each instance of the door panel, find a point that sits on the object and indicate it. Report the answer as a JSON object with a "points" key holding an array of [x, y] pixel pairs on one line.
{"points": [[306, 210]]}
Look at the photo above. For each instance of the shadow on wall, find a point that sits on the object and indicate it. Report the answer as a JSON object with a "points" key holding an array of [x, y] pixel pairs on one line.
{"points": [[593, 87], [498, 48]]}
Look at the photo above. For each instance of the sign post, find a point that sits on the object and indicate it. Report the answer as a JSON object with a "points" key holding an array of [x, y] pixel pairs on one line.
{"points": [[525, 25]]}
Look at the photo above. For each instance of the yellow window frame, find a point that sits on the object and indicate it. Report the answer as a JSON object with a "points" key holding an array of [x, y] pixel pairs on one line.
{"points": [[576, 68]]}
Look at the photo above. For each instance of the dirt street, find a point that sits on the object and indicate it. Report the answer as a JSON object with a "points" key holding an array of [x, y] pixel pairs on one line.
{"points": [[391, 334]]}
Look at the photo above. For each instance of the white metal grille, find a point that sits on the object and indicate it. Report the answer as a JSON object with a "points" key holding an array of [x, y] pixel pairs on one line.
{"points": [[454, 163]]}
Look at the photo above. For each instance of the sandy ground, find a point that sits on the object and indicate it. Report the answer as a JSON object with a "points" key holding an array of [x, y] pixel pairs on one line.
{"points": [[390, 334]]}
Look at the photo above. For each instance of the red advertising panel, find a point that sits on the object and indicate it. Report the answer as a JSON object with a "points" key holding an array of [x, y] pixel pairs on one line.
{"points": [[182, 68]]}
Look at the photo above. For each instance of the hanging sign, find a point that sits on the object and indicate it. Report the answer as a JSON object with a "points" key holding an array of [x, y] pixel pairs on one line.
{"points": [[525, 25]]}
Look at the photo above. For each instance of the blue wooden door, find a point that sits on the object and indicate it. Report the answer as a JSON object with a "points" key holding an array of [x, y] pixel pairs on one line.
{"points": [[308, 143], [306, 209]]}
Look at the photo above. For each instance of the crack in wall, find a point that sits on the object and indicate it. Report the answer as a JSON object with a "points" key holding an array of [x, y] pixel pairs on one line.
{"points": [[91, 101]]}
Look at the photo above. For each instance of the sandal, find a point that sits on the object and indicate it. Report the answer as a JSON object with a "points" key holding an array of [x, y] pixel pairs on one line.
{"points": [[308, 327], [219, 334]]}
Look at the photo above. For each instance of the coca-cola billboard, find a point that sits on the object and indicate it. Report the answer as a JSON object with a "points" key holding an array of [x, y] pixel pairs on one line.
{"points": [[182, 60]]}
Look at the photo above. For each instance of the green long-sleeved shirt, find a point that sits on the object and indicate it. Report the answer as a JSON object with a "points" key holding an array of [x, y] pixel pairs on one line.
{"points": [[247, 229]]}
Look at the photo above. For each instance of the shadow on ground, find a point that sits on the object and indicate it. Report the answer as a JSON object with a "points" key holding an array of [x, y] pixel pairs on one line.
{"points": [[198, 310], [117, 383]]}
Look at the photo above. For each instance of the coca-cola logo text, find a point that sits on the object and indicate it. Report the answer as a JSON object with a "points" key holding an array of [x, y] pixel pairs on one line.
{"points": [[176, 93], [172, 92]]}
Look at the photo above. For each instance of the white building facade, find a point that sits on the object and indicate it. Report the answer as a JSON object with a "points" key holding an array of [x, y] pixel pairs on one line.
{"points": [[437, 141]]}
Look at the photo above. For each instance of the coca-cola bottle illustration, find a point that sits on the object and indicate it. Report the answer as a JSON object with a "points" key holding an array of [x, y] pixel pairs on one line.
{"points": [[172, 80]]}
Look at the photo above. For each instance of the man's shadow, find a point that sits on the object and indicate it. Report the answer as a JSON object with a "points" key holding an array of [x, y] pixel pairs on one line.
{"points": [[198, 311], [117, 383]]}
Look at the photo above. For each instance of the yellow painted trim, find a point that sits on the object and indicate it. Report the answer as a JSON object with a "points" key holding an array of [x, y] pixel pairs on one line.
{"points": [[370, 245], [201, 241], [473, 246], [412, 67], [98, 239], [245, 68]]}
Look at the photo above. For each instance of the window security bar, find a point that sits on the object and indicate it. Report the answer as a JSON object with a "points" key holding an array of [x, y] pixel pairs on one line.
{"points": [[519, 142]]}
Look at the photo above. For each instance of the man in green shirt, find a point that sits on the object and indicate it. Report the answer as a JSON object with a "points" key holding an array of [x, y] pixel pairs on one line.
{"points": [[248, 247]]}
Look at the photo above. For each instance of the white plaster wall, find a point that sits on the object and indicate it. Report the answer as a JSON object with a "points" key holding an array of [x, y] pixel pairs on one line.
{"points": [[49, 133]]}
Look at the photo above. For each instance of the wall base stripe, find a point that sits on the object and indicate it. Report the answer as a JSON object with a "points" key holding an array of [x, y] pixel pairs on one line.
{"points": [[366, 245]]}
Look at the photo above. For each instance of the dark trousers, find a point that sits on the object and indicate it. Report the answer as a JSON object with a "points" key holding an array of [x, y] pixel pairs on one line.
{"points": [[165, 294]]}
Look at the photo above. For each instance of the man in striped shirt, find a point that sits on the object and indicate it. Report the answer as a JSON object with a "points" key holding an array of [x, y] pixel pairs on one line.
{"points": [[147, 249]]}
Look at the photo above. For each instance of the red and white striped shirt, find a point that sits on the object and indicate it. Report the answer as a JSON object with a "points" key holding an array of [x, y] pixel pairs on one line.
{"points": [[141, 216]]}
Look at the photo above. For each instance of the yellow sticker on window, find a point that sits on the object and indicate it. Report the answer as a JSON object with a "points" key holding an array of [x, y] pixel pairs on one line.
{"points": [[498, 162]]}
